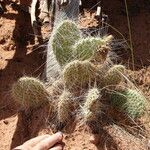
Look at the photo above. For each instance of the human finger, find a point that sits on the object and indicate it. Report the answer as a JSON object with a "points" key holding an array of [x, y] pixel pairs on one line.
{"points": [[57, 147], [49, 142], [34, 141]]}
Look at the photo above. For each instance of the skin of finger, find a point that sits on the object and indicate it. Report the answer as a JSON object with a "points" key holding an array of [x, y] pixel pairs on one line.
{"points": [[57, 147], [21, 147], [60, 143], [49, 142], [30, 143], [34, 141], [17, 148]]}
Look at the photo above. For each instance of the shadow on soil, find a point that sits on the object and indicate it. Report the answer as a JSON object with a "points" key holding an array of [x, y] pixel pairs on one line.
{"points": [[25, 61], [29, 124]]}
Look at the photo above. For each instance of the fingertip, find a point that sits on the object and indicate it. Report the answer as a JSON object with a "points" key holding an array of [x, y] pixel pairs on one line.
{"points": [[51, 141], [59, 135]]}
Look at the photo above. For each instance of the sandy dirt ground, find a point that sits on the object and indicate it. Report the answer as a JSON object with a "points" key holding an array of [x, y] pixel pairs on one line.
{"points": [[19, 56]]}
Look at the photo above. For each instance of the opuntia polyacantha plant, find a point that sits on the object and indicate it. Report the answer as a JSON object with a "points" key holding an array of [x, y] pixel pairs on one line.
{"points": [[82, 62]]}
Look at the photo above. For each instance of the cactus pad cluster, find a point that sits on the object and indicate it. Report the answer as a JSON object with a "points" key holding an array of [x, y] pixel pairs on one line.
{"points": [[83, 62]]}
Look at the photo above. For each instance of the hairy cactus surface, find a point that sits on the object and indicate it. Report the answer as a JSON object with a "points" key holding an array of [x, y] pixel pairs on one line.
{"points": [[65, 107], [92, 105], [64, 37], [29, 92], [91, 48], [78, 73], [114, 75], [56, 88], [129, 101], [107, 39]]}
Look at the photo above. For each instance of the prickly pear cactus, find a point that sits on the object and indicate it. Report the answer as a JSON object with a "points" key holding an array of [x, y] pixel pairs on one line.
{"points": [[29, 92], [83, 65], [92, 106], [129, 101], [89, 48], [114, 75], [65, 107], [78, 74], [64, 37]]}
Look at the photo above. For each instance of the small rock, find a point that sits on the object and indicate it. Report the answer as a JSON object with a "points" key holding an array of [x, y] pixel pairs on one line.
{"points": [[6, 122], [66, 137]]}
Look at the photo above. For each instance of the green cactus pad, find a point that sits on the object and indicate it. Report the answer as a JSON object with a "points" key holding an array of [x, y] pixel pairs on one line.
{"points": [[65, 107], [114, 75], [92, 105], [79, 74], [29, 92], [64, 37], [89, 48], [129, 101]]}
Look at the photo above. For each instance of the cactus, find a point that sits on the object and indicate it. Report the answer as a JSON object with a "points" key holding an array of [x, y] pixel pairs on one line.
{"points": [[65, 107], [114, 75], [107, 39], [91, 48], [56, 88], [64, 37], [92, 105], [29, 92], [78, 74], [129, 101], [101, 55]]}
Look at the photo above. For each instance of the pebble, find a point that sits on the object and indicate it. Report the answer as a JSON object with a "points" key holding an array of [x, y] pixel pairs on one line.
{"points": [[6, 122]]}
